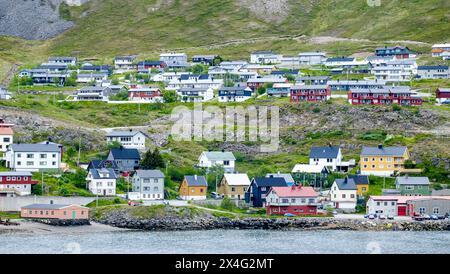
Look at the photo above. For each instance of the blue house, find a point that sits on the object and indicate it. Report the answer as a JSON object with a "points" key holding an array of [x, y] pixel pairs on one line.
{"points": [[259, 187], [400, 52]]}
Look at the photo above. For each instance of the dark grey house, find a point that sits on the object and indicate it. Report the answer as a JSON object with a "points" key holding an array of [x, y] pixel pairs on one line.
{"points": [[125, 159]]}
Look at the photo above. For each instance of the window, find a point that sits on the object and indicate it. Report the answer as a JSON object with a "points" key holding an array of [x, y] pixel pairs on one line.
{"points": [[352, 196], [435, 210], [363, 188], [343, 196], [422, 210], [366, 159], [43, 156], [226, 163], [30, 156]]}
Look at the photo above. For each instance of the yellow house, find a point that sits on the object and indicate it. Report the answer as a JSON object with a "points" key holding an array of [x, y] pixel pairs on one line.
{"points": [[193, 187], [234, 186], [383, 161], [362, 183]]}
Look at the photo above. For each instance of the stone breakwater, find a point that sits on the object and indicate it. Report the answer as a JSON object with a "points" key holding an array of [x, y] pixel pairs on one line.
{"points": [[57, 222], [122, 219]]}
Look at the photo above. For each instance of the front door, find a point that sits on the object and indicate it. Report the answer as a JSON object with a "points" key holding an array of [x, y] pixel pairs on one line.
{"points": [[74, 214]]}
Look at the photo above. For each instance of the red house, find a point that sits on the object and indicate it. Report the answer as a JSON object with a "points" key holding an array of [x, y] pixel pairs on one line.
{"points": [[297, 200], [15, 183], [147, 94], [443, 95], [384, 96], [310, 93], [145, 66]]}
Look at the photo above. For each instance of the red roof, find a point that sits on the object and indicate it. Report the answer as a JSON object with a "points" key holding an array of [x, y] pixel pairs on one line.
{"points": [[6, 131], [294, 191]]}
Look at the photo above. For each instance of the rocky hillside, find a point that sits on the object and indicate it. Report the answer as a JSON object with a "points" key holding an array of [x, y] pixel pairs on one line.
{"points": [[32, 19]]}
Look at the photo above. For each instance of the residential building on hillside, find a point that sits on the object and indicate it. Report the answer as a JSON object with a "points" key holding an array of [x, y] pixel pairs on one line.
{"points": [[124, 63], [193, 187], [234, 94], [280, 90], [147, 185], [204, 59], [176, 84], [401, 95], [174, 60], [16, 183], [54, 211], [362, 183], [211, 158], [383, 161], [53, 67], [93, 93], [330, 156], [91, 77], [313, 175], [258, 68], [443, 95], [145, 95], [126, 159], [33, 157], [312, 80], [72, 61], [313, 93], [408, 205], [413, 186], [286, 176], [346, 85], [5, 94], [343, 194], [296, 200], [195, 94], [396, 71], [399, 52], [6, 135], [438, 50], [339, 61], [147, 66], [265, 57], [255, 83], [127, 138], [258, 189], [289, 62], [312, 58], [433, 72], [102, 182], [234, 185]]}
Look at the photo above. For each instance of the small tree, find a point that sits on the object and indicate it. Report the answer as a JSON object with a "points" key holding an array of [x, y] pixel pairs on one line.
{"points": [[169, 96], [152, 160]]}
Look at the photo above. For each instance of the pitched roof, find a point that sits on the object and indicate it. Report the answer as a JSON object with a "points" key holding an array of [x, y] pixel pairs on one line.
{"points": [[103, 164], [306, 168], [345, 184], [432, 67], [383, 151], [271, 181], [407, 180], [219, 156], [294, 191], [103, 173], [286, 176], [15, 173], [125, 153], [48, 206], [6, 131], [237, 179], [195, 180], [35, 148], [324, 152], [123, 133], [151, 173], [360, 179]]}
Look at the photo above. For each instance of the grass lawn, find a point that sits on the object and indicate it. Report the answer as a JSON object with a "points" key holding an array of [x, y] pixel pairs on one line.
{"points": [[9, 215]]}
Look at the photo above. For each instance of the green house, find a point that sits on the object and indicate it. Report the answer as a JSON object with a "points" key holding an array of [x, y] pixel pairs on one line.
{"points": [[413, 186]]}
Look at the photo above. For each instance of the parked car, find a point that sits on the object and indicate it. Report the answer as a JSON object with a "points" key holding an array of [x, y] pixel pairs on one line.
{"points": [[289, 215], [366, 216], [335, 212], [434, 217], [134, 203], [382, 217], [216, 195], [390, 217], [372, 216]]}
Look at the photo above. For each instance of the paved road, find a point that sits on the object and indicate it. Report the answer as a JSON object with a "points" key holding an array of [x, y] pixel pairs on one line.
{"points": [[361, 217]]}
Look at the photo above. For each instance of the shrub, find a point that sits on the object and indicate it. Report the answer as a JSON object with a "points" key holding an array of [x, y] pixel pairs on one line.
{"points": [[227, 204]]}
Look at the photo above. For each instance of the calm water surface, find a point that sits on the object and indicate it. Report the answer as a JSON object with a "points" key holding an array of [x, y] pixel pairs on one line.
{"points": [[228, 241]]}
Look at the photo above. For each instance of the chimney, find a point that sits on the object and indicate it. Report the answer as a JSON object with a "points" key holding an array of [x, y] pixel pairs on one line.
{"points": [[131, 130], [380, 146], [278, 172], [51, 202]]}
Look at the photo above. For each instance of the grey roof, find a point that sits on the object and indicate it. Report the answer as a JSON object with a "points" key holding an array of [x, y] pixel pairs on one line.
{"points": [[346, 184], [324, 152], [407, 180], [220, 156], [45, 206], [286, 176], [432, 67], [195, 180], [125, 153], [360, 179], [383, 151], [151, 173], [389, 191], [34, 148], [309, 87], [123, 133], [96, 173]]}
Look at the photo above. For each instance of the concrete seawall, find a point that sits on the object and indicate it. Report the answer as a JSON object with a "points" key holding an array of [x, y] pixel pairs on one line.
{"points": [[16, 203]]}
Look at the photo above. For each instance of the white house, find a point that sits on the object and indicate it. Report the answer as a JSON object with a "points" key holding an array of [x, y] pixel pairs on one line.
{"points": [[91, 77], [439, 50], [6, 135], [33, 157], [330, 156], [102, 182], [174, 60], [433, 72], [265, 57], [312, 58], [72, 61], [234, 94], [147, 185], [386, 205], [5, 94], [343, 194], [90, 93], [396, 71], [195, 94], [176, 84], [210, 158], [128, 139], [14, 183], [124, 63]]}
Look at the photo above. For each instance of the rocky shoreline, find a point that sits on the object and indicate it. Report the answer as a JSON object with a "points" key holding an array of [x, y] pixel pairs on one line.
{"points": [[121, 219]]}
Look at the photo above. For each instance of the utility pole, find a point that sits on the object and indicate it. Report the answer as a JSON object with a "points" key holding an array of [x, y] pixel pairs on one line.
{"points": [[42, 182], [79, 148]]}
